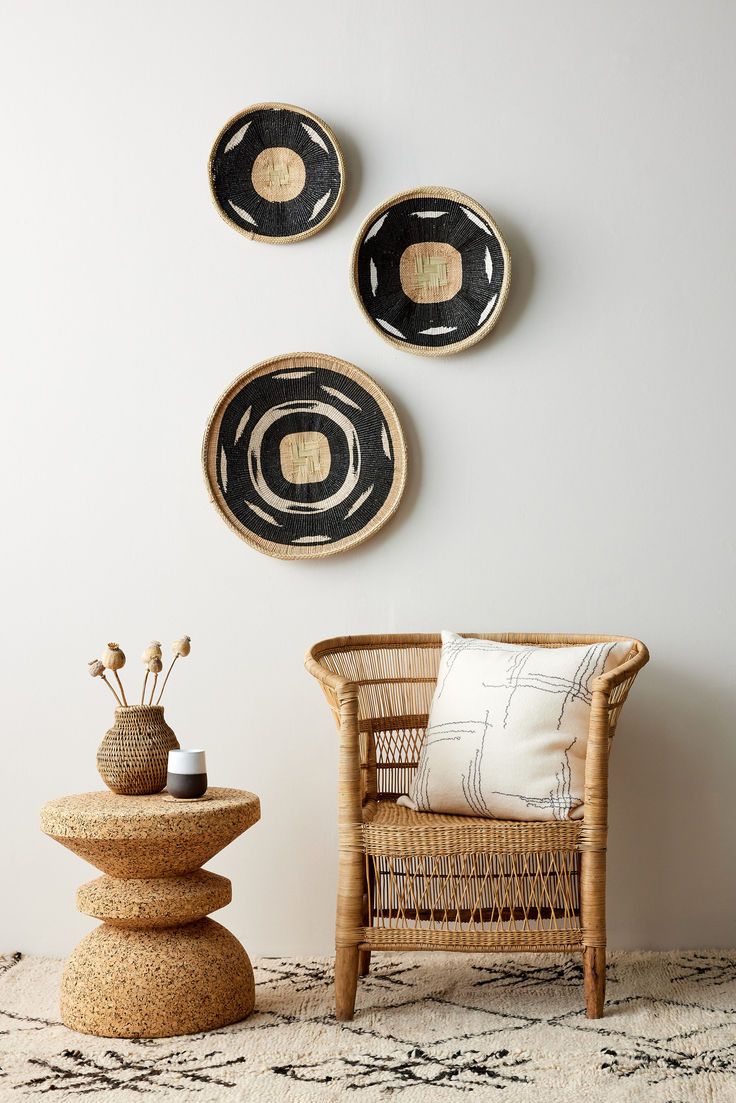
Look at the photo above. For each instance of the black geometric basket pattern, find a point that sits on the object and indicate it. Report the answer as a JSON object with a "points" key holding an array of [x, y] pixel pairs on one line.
{"points": [[304, 456], [431, 271], [276, 173]]}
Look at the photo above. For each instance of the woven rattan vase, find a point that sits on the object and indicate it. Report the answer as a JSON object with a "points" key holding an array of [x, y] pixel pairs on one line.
{"points": [[132, 758]]}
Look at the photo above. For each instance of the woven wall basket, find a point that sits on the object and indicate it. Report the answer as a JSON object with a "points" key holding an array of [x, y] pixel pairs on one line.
{"points": [[304, 456], [431, 271], [276, 173]]}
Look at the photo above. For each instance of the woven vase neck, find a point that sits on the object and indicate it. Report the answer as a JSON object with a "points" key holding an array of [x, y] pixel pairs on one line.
{"points": [[140, 710]]}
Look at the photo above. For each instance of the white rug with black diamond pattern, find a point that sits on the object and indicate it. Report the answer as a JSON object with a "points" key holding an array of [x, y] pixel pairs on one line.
{"points": [[434, 1026]]}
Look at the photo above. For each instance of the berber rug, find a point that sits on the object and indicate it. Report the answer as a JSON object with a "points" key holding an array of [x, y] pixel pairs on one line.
{"points": [[433, 1027]]}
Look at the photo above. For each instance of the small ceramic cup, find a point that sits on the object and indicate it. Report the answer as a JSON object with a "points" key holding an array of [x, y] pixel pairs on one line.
{"points": [[187, 776]]}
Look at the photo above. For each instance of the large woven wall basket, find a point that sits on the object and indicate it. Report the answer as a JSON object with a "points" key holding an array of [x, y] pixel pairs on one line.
{"points": [[431, 271], [276, 173], [304, 456]]}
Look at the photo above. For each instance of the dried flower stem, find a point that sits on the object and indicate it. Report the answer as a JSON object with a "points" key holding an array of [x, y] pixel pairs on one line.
{"points": [[111, 689], [143, 691], [117, 676], [153, 689], [163, 687]]}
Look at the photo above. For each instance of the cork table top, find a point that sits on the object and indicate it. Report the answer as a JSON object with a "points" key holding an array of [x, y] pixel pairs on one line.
{"points": [[107, 815]]}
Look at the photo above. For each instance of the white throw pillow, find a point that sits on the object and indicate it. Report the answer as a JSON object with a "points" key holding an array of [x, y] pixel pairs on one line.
{"points": [[508, 729]]}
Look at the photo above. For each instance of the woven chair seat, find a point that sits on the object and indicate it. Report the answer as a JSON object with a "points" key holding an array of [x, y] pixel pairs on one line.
{"points": [[468, 883], [389, 828]]}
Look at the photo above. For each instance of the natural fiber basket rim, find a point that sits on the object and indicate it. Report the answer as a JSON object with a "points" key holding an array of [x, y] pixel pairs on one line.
{"points": [[292, 361], [433, 192], [142, 709], [265, 237]]}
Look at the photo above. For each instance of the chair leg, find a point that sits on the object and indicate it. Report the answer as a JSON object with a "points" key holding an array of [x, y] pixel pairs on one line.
{"points": [[594, 974], [346, 981], [349, 928]]}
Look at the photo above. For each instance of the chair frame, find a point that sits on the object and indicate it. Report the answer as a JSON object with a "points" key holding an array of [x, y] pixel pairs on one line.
{"points": [[383, 684]]}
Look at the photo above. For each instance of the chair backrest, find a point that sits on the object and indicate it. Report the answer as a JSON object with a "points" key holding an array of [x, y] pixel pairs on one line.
{"points": [[395, 676]]}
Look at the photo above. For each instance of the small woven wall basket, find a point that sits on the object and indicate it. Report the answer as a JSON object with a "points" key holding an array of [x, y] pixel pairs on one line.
{"points": [[304, 456], [431, 271], [133, 757], [276, 173]]}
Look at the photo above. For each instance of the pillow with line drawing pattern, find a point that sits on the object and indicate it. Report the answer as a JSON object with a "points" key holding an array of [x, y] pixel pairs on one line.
{"points": [[508, 729]]}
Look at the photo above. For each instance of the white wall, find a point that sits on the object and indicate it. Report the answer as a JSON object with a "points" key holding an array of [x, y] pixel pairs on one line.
{"points": [[573, 472]]}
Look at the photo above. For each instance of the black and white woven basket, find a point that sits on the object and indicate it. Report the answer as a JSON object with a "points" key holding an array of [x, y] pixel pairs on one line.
{"points": [[304, 456], [431, 271], [276, 173]]}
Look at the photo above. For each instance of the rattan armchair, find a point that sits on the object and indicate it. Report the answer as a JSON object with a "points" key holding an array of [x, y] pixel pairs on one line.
{"points": [[419, 881]]}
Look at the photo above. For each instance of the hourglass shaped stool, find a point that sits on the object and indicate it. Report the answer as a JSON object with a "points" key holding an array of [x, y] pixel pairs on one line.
{"points": [[156, 966]]}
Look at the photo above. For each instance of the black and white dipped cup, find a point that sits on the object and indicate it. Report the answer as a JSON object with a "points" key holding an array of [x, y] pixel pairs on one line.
{"points": [[187, 776]]}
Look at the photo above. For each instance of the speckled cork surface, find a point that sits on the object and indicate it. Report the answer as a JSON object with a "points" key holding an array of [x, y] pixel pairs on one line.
{"points": [[155, 967], [149, 836], [106, 815], [122, 983], [154, 901]]}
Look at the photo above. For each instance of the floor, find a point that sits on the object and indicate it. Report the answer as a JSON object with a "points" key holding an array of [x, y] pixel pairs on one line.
{"points": [[436, 1027]]}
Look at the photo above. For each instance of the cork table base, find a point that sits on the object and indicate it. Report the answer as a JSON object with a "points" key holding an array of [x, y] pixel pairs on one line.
{"points": [[123, 983], [156, 966]]}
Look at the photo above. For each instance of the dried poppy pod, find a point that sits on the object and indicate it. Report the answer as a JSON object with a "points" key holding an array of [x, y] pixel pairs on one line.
{"points": [[152, 662], [153, 651], [154, 666], [97, 670], [181, 648], [114, 659]]}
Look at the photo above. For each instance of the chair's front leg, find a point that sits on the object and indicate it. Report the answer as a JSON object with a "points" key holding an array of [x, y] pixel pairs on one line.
{"points": [[351, 870], [593, 916], [593, 858], [346, 982], [594, 975], [348, 930]]}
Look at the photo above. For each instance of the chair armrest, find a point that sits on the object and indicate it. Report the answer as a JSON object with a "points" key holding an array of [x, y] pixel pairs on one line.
{"points": [[609, 693], [629, 669], [327, 678], [342, 697]]}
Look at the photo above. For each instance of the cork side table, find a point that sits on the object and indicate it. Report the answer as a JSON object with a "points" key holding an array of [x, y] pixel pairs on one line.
{"points": [[155, 966]]}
